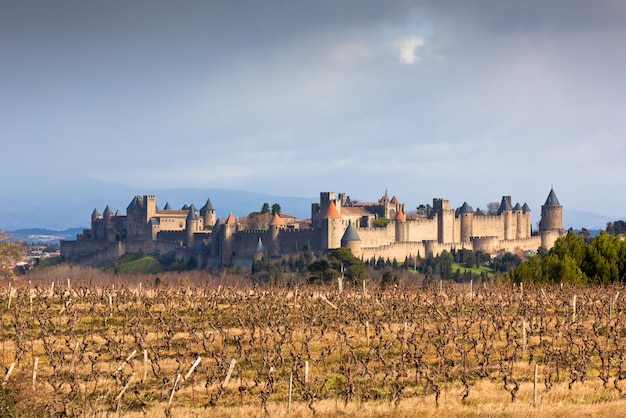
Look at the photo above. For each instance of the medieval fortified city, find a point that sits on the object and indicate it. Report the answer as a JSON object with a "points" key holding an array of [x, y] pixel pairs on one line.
{"points": [[336, 221]]}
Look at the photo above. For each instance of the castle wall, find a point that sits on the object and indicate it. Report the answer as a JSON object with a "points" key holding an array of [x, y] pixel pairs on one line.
{"points": [[172, 235], [488, 226], [524, 244], [245, 242], [113, 236], [397, 251], [291, 241], [422, 229], [377, 236], [92, 252]]}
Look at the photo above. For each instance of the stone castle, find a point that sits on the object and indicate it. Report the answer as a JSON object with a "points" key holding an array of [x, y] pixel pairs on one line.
{"points": [[371, 230]]}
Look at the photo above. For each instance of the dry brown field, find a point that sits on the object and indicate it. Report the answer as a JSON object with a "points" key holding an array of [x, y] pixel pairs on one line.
{"points": [[75, 342]]}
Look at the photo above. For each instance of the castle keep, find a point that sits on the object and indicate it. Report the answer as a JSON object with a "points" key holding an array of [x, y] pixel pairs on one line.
{"points": [[370, 230]]}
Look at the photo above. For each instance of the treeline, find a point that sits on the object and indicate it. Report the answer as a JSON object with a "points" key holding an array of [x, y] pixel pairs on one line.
{"points": [[616, 228], [573, 260]]}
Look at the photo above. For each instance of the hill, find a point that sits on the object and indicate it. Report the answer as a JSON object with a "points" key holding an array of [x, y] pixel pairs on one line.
{"points": [[63, 209]]}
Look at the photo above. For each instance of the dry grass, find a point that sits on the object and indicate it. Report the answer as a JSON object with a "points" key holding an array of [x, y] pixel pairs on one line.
{"points": [[487, 400], [420, 342]]}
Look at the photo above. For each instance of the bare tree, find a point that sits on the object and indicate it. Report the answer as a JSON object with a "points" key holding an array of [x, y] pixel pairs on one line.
{"points": [[492, 208], [10, 252]]}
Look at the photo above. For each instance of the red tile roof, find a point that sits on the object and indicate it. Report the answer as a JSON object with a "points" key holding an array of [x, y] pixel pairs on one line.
{"points": [[332, 212], [277, 221]]}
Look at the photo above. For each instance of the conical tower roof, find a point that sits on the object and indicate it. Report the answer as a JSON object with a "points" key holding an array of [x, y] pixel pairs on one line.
{"points": [[552, 200], [277, 221], [400, 216], [231, 219], [332, 212], [95, 214], [108, 211], [350, 234], [208, 207], [167, 206], [517, 207], [465, 208], [505, 206], [193, 213], [136, 202], [259, 246], [525, 208]]}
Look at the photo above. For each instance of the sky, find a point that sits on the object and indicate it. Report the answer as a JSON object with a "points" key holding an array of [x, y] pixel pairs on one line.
{"points": [[462, 100]]}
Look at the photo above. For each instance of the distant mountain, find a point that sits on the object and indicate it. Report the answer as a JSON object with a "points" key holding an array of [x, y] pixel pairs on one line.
{"points": [[63, 209], [578, 219]]}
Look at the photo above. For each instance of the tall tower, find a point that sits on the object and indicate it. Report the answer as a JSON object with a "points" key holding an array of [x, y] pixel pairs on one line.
{"points": [[401, 227], [228, 230], [149, 204], [332, 227], [108, 224], [276, 224], [466, 213], [207, 212], [551, 214], [506, 211], [95, 217], [445, 220], [193, 225]]}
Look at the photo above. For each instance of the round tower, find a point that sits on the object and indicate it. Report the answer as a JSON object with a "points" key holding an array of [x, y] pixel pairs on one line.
{"points": [[466, 213], [207, 213], [551, 214], [276, 224], [518, 220], [351, 240], [527, 230], [95, 216], [401, 227], [506, 211], [109, 234], [228, 230], [193, 225], [332, 227]]}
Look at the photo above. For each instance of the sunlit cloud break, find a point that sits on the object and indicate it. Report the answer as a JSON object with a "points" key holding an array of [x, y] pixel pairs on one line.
{"points": [[406, 48]]}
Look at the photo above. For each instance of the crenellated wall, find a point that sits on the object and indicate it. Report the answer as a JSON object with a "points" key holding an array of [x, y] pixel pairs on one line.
{"points": [[146, 229]]}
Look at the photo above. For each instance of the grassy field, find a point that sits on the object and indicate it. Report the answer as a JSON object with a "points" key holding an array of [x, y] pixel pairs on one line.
{"points": [[474, 270], [79, 342]]}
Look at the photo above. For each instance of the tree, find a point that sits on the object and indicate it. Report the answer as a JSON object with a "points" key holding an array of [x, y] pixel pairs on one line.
{"points": [[601, 263], [572, 245], [276, 209], [339, 264], [424, 210], [444, 266], [321, 271], [492, 208], [10, 252], [348, 265], [265, 208]]}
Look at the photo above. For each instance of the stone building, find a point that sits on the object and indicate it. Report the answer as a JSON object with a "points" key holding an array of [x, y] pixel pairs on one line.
{"points": [[371, 230]]}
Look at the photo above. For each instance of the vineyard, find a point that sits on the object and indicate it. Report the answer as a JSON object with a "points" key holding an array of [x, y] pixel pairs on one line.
{"points": [[204, 345]]}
